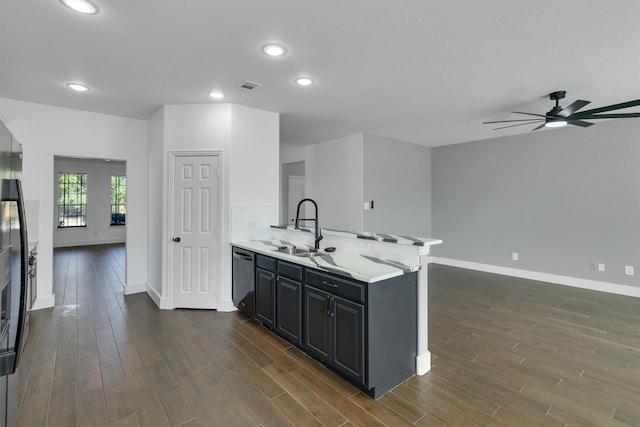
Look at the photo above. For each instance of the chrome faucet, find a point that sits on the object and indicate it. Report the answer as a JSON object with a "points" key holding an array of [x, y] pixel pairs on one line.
{"points": [[318, 235]]}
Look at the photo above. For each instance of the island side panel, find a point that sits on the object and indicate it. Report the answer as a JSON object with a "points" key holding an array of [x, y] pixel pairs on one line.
{"points": [[392, 315]]}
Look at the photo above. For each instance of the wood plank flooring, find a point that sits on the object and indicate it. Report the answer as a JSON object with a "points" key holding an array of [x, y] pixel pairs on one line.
{"points": [[505, 351]]}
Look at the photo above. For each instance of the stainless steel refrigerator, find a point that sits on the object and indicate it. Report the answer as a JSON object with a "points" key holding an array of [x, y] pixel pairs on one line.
{"points": [[14, 314]]}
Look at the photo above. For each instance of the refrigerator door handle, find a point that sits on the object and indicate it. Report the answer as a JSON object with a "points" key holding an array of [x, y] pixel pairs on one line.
{"points": [[12, 192]]}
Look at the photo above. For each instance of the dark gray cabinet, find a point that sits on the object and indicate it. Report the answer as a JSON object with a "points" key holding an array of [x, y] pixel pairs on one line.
{"points": [[317, 323], [265, 290], [347, 333], [334, 332], [366, 332], [279, 297], [289, 301]]}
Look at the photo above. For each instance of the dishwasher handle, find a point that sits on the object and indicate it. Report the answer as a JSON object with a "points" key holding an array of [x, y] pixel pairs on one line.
{"points": [[242, 256]]}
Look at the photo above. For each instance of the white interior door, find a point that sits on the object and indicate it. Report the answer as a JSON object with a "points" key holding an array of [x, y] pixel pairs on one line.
{"points": [[195, 238], [296, 193]]}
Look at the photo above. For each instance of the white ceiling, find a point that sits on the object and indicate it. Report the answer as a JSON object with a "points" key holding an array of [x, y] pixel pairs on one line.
{"points": [[422, 71]]}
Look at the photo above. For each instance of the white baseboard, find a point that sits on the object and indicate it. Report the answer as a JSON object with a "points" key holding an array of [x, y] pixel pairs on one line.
{"points": [[593, 285], [87, 242], [157, 298], [44, 302], [226, 306], [134, 288], [423, 363]]}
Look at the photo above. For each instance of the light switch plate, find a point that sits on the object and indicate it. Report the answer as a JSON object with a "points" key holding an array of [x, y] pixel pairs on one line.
{"points": [[600, 266], [366, 206], [628, 270], [515, 256]]}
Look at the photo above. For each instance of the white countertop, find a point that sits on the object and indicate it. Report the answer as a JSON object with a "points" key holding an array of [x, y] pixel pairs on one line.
{"points": [[364, 268], [379, 237]]}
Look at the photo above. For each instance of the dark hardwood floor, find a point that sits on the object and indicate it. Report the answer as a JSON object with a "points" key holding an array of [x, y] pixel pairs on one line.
{"points": [[505, 352]]}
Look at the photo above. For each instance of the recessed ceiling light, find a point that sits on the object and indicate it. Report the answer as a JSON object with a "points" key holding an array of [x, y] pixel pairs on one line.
{"points": [[304, 81], [216, 95], [82, 6], [273, 49], [78, 87]]}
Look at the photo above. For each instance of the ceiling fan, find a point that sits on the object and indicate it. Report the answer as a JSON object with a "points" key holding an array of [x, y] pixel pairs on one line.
{"points": [[558, 116]]}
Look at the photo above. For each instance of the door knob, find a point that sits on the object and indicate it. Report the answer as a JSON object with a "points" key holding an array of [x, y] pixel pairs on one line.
{"points": [[176, 239]]}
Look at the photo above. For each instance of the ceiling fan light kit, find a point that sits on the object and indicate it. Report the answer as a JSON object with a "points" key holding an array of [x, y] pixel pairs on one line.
{"points": [[558, 116]]}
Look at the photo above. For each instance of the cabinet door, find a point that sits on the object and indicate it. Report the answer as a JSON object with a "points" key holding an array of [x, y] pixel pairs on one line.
{"points": [[317, 322], [265, 297], [347, 347], [288, 309]]}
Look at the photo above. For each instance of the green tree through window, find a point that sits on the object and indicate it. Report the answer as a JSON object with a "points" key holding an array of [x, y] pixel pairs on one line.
{"points": [[118, 199], [72, 199]]}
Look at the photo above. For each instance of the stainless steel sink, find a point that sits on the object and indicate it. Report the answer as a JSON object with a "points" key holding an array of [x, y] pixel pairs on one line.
{"points": [[293, 251]]}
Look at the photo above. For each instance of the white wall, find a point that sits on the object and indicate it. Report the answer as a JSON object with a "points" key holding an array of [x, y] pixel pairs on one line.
{"points": [[397, 178], [98, 229], [156, 202], [334, 172], [46, 131], [343, 173], [248, 141]]}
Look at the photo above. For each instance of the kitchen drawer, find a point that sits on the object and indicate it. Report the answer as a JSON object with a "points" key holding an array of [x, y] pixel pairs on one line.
{"points": [[290, 270], [342, 287], [266, 263]]}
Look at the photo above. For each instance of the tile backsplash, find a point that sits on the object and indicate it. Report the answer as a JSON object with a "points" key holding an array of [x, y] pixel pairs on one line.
{"points": [[251, 221]]}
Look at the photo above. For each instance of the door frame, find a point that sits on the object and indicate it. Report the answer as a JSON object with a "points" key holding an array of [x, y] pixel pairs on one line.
{"points": [[170, 217], [289, 205]]}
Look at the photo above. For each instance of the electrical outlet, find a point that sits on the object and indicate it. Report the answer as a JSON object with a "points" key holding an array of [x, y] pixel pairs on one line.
{"points": [[515, 256], [628, 270], [600, 266], [366, 206]]}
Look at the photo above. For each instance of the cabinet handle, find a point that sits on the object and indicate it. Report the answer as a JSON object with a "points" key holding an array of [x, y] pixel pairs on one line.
{"points": [[328, 306], [333, 285]]}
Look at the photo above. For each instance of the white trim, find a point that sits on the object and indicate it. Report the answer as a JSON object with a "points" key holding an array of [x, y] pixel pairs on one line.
{"points": [[167, 301], [134, 288], [88, 243], [162, 303], [423, 363], [575, 282], [44, 302], [226, 306]]}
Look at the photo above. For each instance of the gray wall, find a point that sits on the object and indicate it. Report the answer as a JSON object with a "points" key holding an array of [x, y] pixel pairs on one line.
{"points": [[560, 198], [397, 177]]}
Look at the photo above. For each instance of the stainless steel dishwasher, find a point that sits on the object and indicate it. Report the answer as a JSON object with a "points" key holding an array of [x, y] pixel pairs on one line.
{"points": [[243, 273]]}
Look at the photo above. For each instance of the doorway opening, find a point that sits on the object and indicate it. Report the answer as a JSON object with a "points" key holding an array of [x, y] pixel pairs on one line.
{"points": [[293, 190], [90, 205]]}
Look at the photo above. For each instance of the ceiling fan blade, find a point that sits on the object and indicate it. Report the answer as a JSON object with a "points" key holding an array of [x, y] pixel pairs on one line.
{"points": [[566, 112], [507, 121], [620, 106], [539, 127], [519, 124], [610, 116], [579, 123], [528, 114]]}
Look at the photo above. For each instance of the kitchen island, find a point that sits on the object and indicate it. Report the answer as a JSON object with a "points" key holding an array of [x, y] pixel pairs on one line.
{"points": [[360, 309]]}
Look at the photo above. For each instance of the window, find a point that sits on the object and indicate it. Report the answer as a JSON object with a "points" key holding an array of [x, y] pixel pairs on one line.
{"points": [[118, 199], [72, 199]]}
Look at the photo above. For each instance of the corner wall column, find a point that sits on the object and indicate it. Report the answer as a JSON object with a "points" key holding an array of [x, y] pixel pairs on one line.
{"points": [[423, 359]]}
